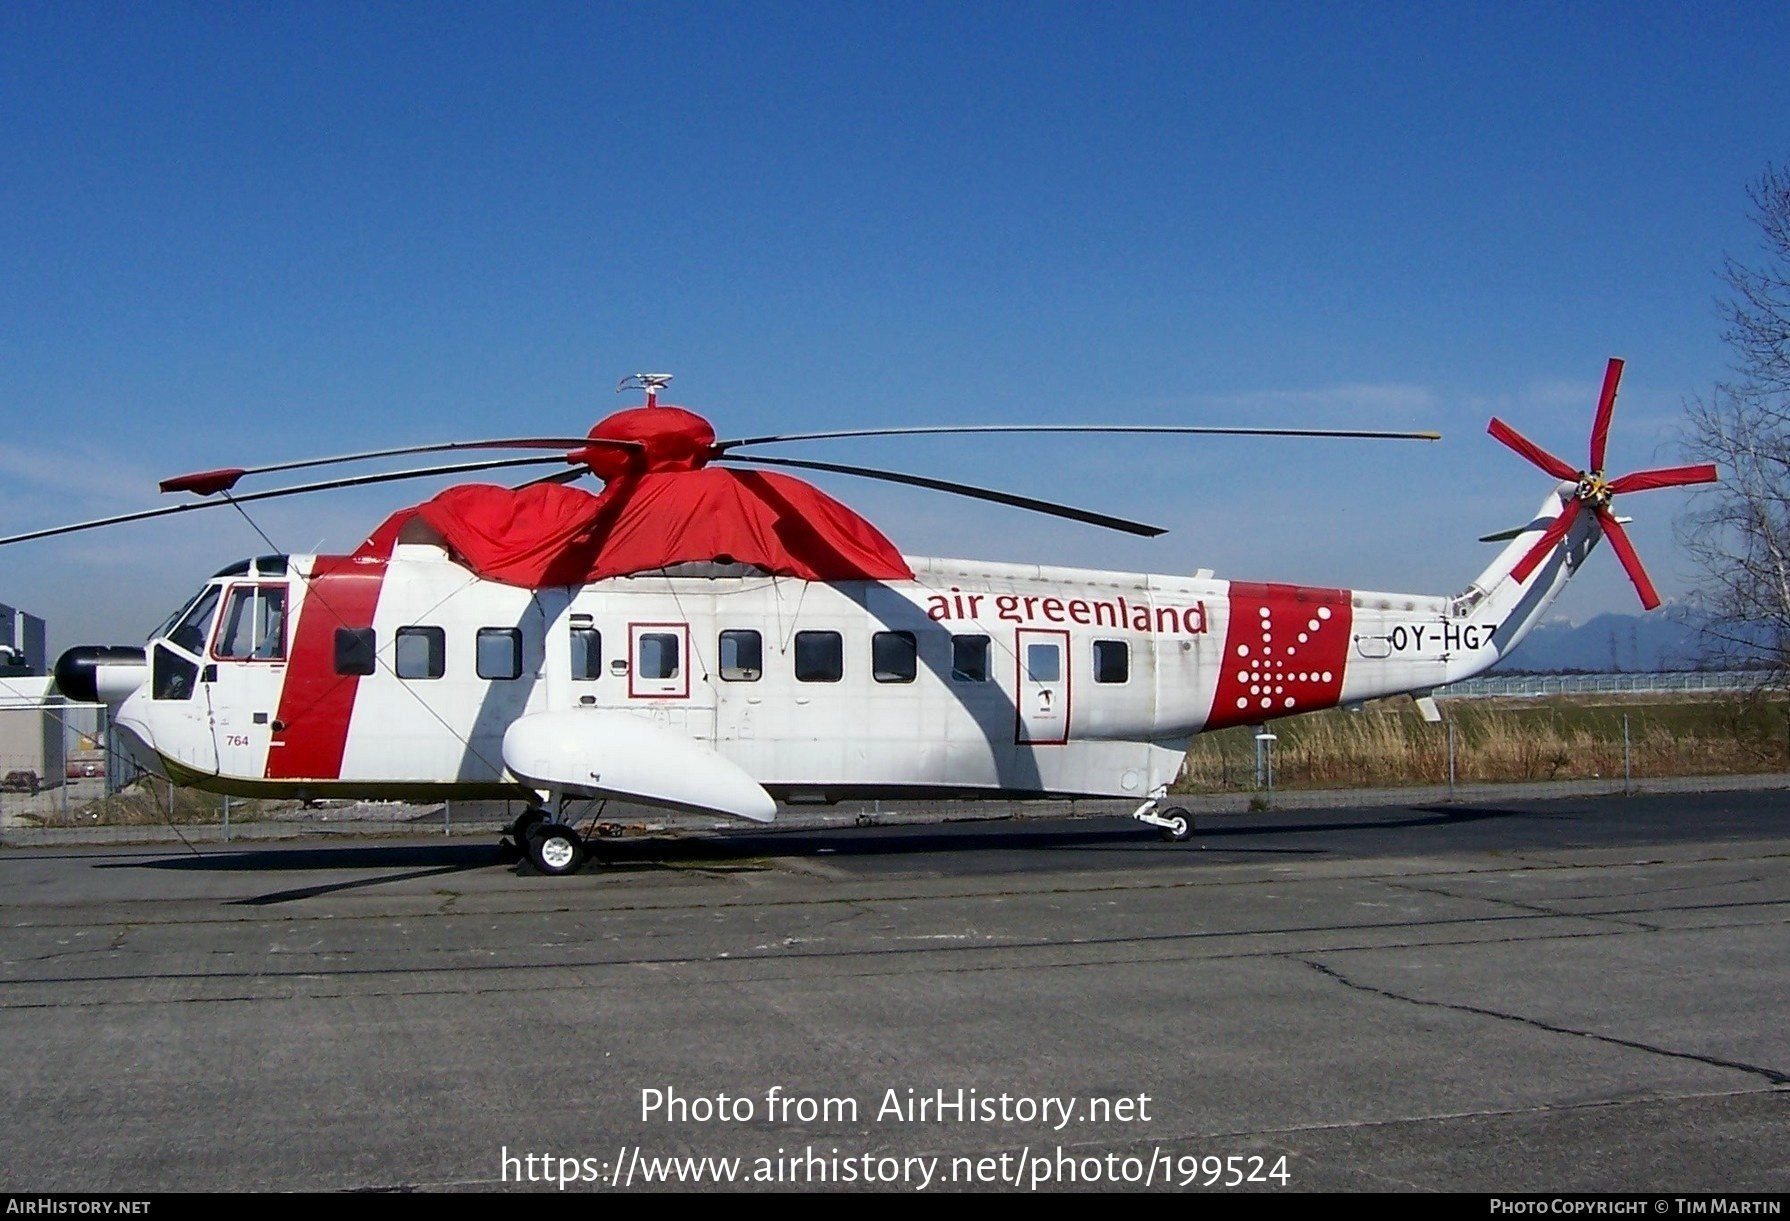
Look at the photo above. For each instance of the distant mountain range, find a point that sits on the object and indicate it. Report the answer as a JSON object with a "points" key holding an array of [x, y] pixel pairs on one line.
{"points": [[1610, 643]]}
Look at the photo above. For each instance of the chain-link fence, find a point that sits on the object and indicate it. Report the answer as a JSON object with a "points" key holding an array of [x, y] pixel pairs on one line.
{"points": [[1385, 754]]}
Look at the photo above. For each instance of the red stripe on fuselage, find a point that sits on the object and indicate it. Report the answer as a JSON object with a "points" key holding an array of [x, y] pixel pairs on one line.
{"points": [[1284, 652], [311, 728]]}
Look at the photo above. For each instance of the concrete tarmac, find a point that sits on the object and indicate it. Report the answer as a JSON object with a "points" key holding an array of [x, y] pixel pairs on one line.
{"points": [[1585, 994]]}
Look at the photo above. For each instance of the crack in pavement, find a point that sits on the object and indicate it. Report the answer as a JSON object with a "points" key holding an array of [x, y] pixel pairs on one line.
{"points": [[1775, 1076], [1534, 908]]}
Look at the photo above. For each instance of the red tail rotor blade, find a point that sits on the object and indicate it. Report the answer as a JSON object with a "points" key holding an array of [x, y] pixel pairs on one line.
{"points": [[1606, 407], [1665, 477], [1530, 450], [1631, 563], [1548, 541]]}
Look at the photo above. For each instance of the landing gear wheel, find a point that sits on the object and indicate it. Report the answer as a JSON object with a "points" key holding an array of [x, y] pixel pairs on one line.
{"points": [[1180, 828], [555, 849], [515, 846], [525, 822]]}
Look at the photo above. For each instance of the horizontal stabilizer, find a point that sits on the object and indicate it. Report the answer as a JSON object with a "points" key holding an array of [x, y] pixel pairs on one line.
{"points": [[1504, 536], [592, 753]]}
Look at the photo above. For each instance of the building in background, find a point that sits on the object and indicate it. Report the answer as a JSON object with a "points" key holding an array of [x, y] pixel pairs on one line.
{"points": [[21, 644], [35, 729]]}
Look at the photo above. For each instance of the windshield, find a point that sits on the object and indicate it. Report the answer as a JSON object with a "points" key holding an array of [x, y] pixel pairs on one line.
{"points": [[195, 623], [167, 625]]}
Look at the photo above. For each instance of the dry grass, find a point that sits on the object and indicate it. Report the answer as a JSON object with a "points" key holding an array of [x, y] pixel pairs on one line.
{"points": [[148, 804], [1505, 740]]}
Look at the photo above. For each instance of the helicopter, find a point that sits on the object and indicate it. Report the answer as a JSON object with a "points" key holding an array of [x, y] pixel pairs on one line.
{"points": [[712, 634]]}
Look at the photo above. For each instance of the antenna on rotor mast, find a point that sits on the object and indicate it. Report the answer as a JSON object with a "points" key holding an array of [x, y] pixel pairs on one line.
{"points": [[652, 383]]}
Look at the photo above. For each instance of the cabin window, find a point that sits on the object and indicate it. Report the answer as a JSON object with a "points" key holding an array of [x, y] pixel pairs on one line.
{"points": [[969, 659], [1043, 663], [894, 657], [355, 650], [587, 654], [254, 624], [659, 655], [1112, 661], [742, 656], [422, 652], [500, 652], [820, 657]]}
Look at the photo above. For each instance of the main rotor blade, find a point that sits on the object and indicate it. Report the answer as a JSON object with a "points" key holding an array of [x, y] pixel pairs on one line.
{"points": [[571, 476], [1549, 539], [1160, 429], [964, 489], [354, 481], [206, 483], [1666, 477], [1606, 407], [1631, 562], [1530, 450]]}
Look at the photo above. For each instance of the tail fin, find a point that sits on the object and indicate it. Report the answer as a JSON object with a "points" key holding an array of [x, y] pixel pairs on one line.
{"points": [[1505, 605]]}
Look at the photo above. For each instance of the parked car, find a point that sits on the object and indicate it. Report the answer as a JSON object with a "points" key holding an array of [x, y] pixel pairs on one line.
{"points": [[20, 782]]}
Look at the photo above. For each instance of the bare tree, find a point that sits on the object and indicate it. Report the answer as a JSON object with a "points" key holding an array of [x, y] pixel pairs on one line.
{"points": [[1739, 530]]}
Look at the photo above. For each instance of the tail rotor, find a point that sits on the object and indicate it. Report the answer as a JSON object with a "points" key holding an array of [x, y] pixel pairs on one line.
{"points": [[1594, 492]]}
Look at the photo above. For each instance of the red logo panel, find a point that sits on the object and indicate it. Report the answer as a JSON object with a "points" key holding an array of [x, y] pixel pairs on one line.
{"points": [[1284, 652]]}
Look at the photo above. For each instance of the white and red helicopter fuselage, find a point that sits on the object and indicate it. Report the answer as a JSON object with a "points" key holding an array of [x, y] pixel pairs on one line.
{"points": [[409, 676], [716, 640]]}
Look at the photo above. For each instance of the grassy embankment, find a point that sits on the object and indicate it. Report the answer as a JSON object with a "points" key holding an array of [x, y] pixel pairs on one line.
{"points": [[1555, 738]]}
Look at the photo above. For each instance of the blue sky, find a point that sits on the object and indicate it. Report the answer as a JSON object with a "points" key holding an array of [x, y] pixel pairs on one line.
{"points": [[243, 233]]}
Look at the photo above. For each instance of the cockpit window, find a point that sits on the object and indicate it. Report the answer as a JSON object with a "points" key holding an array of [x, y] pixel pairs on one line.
{"points": [[254, 624], [172, 676], [195, 625]]}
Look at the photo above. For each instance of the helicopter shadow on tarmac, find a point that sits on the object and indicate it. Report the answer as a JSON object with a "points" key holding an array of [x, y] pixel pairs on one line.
{"points": [[1006, 846]]}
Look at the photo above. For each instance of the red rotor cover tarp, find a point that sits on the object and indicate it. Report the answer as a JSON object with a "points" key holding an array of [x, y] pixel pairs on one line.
{"points": [[549, 534], [661, 505]]}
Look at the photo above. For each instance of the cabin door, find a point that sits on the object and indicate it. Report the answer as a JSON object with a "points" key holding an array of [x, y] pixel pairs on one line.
{"points": [[665, 681], [245, 674], [1042, 694]]}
